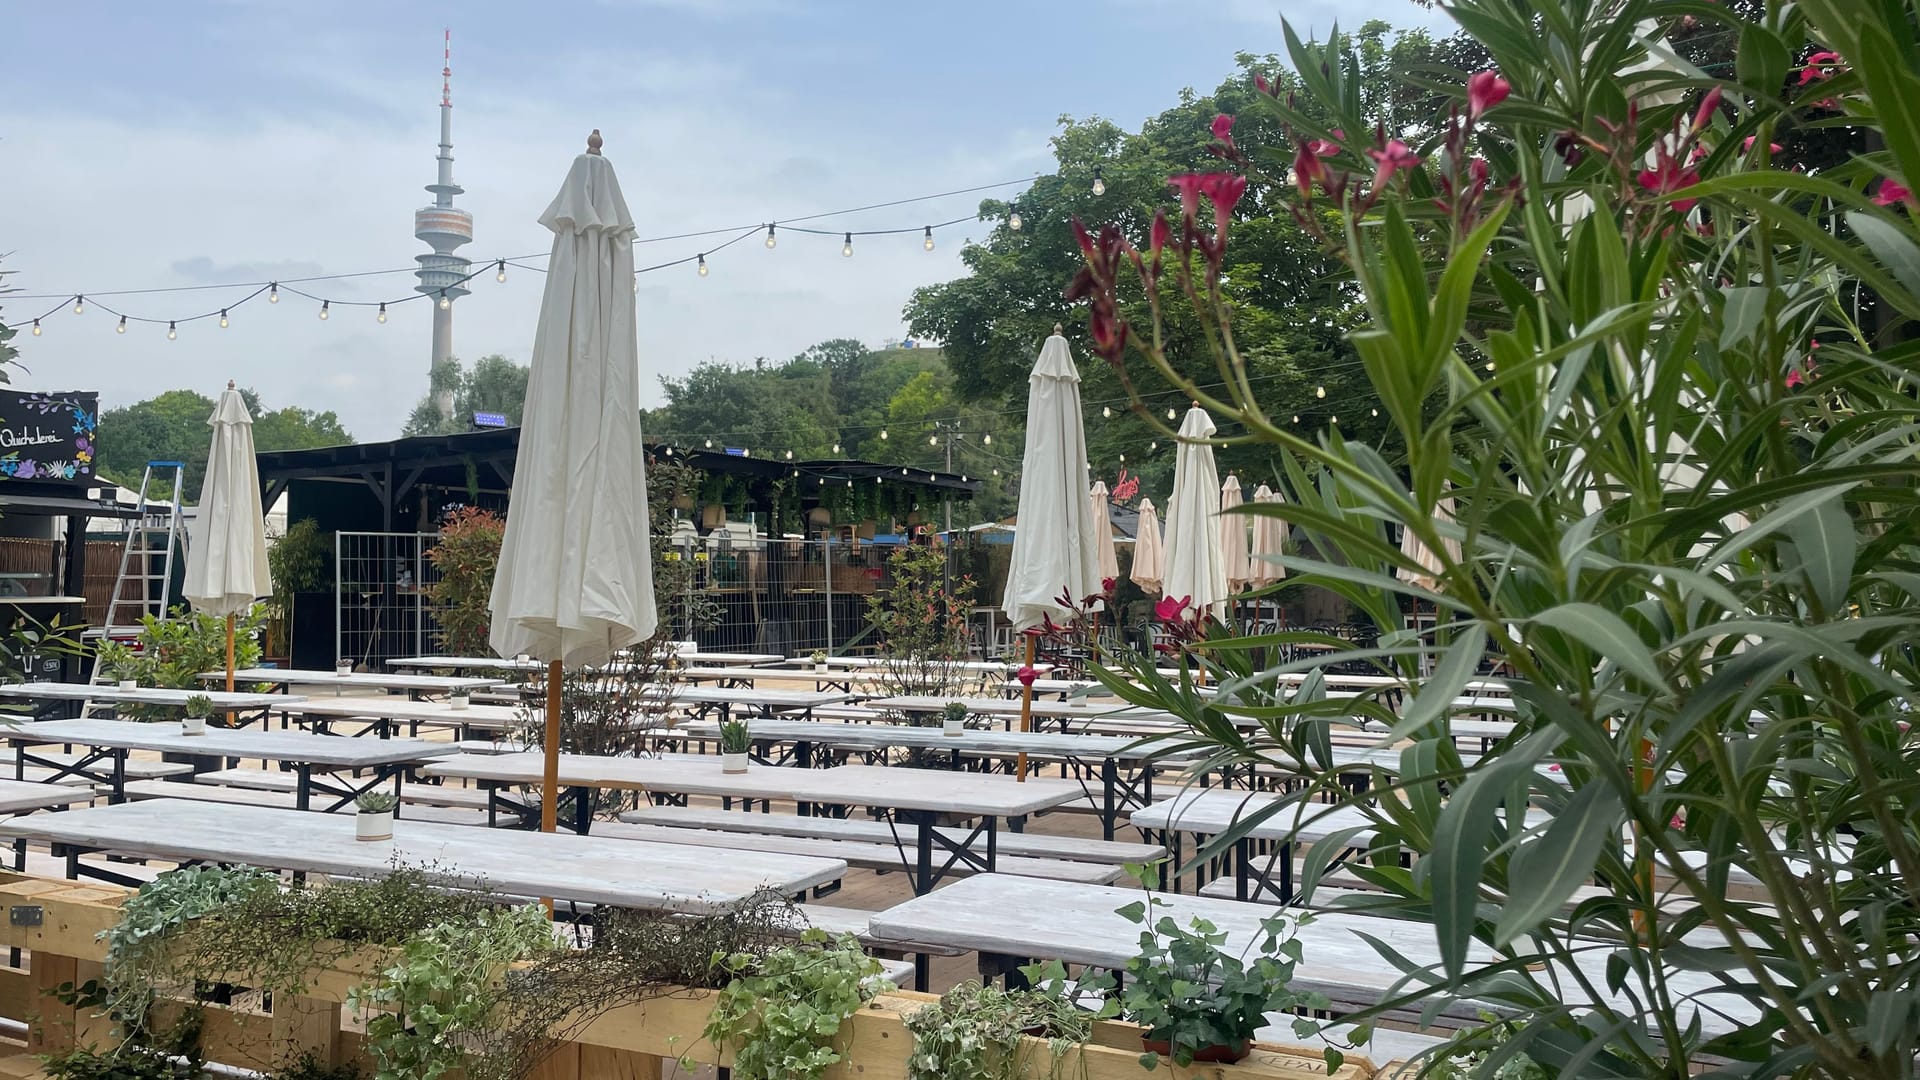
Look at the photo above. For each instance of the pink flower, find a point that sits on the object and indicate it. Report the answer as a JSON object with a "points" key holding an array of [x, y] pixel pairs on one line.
{"points": [[1477, 171], [1224, 191], [1170, 609], [1159, 234], [1747, 147], [1668, 176], [1821, 66], [1223, 128], [1188, 185], [1107, 585], [1308, 169], [1704, 115], [1892, 193], [1793, 379], [1026, 674], [1260, 83], [1325, 147], [1390, 159], [1485, 89]]}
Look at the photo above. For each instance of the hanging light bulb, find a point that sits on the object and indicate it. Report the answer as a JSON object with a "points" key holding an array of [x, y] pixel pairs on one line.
{"points": [[1489, 365], [223, 318], [500, 271], [1123, 459], [1319, 391], [1333, 420], [1014, 222], [36, 328], [445, 302], [701, 269], [996, 472], [1169, 412], [79, 305], [709, 444], [903, 472], [1373, 412], [382, 316], [823, 482], [1099, 182], [770, 240], [273, 292], [171, 332], [883, 434], [1152, 446], [790, 458], [747, 452], [849, 483], [877, 480], [846, 248], [1106, 412], [836, 448], [928, 242], [1296, 418], [963, 478], [933, 440], [324, 305], [986, 440], [122, 328]]}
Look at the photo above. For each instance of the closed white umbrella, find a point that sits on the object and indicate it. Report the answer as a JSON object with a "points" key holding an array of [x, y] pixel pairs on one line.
{"points": [[1269, 539], [1102, 522], [227, 543], [1234, 551], [1055, 548], [1195, 571], [1148, 556], [1430, 568], [575, 582]]}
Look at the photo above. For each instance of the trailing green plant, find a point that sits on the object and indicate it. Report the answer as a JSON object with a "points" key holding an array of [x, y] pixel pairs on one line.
{"points": [[376, 802], [466, 555], [437, 998], [199, 705], [301, 560], [987, 1033], [734, 737], [174, 1056], [150, 920], [171, 653], [1656, 390], [309, 1067], [781, 1011]]}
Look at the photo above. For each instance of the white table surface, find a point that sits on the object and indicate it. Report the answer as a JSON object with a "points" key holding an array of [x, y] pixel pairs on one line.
{"points": [[929, 790], [1010, 707], [333, 751], [1032, 917], [755, 697], [145, 695], [602, 870], [692, 657], [973, 740], [971, 667], [395, 707], [362, 680], [18, 796], [766, 674]]}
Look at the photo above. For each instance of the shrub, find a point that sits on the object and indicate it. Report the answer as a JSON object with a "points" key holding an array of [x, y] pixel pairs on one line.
{"points": [[466, 556]]}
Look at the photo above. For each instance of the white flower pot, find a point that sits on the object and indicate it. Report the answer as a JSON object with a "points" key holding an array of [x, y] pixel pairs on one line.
{"points": [[343, 668], [952, 727], [129, 685], [733, 762], [822, 669], [458, 701], [193, 725], [372, 826]]}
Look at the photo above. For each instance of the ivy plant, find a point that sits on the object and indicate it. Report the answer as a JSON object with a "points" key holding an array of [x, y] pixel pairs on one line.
{"points": [[781, 1012]]}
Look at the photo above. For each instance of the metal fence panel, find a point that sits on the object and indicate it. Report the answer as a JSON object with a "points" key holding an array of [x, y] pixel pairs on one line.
{"points": [[380, 601]]}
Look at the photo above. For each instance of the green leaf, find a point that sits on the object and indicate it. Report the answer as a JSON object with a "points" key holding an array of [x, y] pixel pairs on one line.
{"points": [[1546, 871], [1762, 60], [1607, 634], [1450, 676], [1825, 541], [1890, 244], [1461, 842]]}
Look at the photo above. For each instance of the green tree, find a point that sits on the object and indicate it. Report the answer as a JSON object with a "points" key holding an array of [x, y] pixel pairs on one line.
{"points": [[172, 426], [493, 384]]}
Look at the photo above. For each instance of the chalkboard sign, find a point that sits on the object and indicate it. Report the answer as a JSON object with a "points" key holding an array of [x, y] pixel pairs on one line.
{"points": [[48, 437]]}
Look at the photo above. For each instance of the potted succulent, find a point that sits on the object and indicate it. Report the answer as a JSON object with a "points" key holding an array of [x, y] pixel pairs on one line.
{"points": [[126, 673], [733, 746], [819, 659], [953, 718], [458, 699], [374, 819], [199, 707], [1195, 999], [343, 667]]}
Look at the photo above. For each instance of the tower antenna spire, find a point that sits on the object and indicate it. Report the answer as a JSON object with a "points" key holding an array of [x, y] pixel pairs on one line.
{"points": [[443, 227], [446, 72]]}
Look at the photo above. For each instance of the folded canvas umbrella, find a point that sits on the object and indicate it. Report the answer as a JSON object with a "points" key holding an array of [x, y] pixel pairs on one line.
{"points": [[1055, 548], [227, 545], [1269, 539], [1149, 557], [575, 583], [1194, 570], [1234, 553], [1109, 559], [1430, 568]]}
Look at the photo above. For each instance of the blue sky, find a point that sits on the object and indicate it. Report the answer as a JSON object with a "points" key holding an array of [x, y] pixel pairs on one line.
{"points": [[162, 145]]}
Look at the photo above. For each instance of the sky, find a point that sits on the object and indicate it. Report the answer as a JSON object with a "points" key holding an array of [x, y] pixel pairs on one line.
{"points": [[210, 142]]}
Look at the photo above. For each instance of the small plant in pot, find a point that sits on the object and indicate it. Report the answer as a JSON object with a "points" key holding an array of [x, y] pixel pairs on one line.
{"points": [[199, 707], [1196, 1000], [953, 718], [374, 821], [819, 659], [458, 699], [733, 746], [125, 671], [343, 667]]}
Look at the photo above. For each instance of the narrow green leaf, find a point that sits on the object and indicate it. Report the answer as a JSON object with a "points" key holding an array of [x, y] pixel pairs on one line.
{"points": [[1606, 634], [1457, 665], [1545, 872], [1826, 542], [1890, 244], [1460, 844]]}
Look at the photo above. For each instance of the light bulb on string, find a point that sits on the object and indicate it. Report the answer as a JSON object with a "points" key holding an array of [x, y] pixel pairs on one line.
{"points": [[883, 434], [324, 306], [1014, 222], [1319, 391], [1123, 459], [1489, 365], [445, 303], [770, 240], [36, 328], [1331, 420], [1099, 182], [836, 448], [748, 452], [1170, 412], [790, 456], [223, 318], [928, 242], [273, 292], [878, 480], [122, 328], [1106, 412], [933, 440], [1152, 446], [996, 472], [823, 482], [1296, 418], [500, 271], [986, 440], [709, 444], [849, 483], [701, 268], [79, 305], [1373, 412], [171, 332], [382, 316], [846, 248]]}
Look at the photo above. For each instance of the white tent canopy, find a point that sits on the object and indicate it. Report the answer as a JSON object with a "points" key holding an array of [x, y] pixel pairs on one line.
{"points": [[227, 543], [1195, 570], [1055, 549]]}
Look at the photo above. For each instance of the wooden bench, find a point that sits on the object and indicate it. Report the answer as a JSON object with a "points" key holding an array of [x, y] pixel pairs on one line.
{"points": [[865, 855], [1069, 848], [239, 796], [465, 798], [136, 768]]}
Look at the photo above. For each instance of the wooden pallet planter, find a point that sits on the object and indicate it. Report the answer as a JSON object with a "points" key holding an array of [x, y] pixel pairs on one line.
{"points": [[628, 1042]]}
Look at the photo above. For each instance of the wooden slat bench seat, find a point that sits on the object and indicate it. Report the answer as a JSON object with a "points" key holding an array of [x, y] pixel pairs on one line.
{"points": [[414, 794], [1069, 848], [284, 800]]}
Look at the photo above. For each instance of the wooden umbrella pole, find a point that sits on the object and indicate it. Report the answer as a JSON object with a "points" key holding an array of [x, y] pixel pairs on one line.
{"points": [[550, 776], [1026, 712], [230, 618]]}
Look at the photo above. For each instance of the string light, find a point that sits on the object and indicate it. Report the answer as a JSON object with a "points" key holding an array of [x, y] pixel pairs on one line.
{"points": [[1123, 459], [445, 301], [36, 328], [701, 269], [1099, 182], [846, 248], [1296, 418], [836, 448], [1106, 412], [223, 318], [928, 242], [883, 434], [500, 271], [171, 332], [1013, 221], [933, 440], [1169, 412], [790, 458], [1319, 391], [986, 440], [79, 305], [771, 242], [122, 328], [325, 306], [996, 472], [709, 444], [747, 452], [1489, 365], [382, 316], [1152, 446], [1373, 412], [273, 292]]}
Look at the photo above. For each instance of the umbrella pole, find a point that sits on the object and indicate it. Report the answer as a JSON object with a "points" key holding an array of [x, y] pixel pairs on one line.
{"points": [[550, 776], [229, 664], [1026, 713]]}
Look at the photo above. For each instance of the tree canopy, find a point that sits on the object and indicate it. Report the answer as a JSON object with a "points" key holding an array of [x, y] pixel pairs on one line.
{"points": [[493, 384], [172, 426]]}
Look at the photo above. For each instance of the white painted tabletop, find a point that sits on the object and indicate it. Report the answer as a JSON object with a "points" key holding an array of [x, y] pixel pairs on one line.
{"points": [[601, 870], [334, 751], [17, 796], [973, 740], [362, 680], [395, 707], [766, 674], [1054, 710], [692, 657], [145, 695], [756, 697], [890, 788], [1074, 923], [971, 667]]}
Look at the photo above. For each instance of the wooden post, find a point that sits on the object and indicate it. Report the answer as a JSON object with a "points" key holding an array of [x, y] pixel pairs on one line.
{"points": [[1026, 711], [550, 777], [230, 618]]}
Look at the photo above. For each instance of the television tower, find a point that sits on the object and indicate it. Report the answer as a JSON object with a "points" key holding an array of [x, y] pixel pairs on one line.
{"points": [[443, 228]]}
